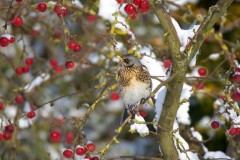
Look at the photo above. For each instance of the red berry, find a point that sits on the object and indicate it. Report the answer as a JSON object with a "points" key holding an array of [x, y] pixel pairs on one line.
{"points": [[236, 78], [143, 113], [19, 1], [223, 97], [77, 48], [130, 9], [121, 1], [19, 99], [167, 63], [19, 70], [114, 96], [87, 157], [1, 105], [144, 4], [145, 10], [11, 40], [215, 124], [57, 10], [58, 69], [202, 71], [57, 34], [29, 61], [53, 62], [4, 41], [238, 130], [95, 158], [200, 86], [137, 2], [17, 21], [91, 147], [25, 69], [9, 128], [235, 96], [35, 33], [1, 137], [81, 151], [232, 131], [31, 114], [55, 136], [63, 11], [72, 45], [91, 17], [7, 135], [42, 7], [69, 137], [68, 153], [69, 64]]}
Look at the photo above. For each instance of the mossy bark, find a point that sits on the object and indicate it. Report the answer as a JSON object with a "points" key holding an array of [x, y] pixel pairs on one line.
{"points": [[179, 69]]}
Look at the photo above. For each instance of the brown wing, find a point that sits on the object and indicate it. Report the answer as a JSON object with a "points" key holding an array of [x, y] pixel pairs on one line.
{"points": [[144, 76]]}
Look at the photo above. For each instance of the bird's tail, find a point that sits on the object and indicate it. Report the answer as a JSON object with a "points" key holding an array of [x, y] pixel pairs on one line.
{"points": [[126, 112]]}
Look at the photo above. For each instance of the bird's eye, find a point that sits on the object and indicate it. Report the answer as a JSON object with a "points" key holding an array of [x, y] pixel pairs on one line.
{"points": [[126, 60]]}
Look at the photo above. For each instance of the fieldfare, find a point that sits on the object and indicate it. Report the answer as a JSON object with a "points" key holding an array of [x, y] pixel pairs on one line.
{"points": [[134, 83]]}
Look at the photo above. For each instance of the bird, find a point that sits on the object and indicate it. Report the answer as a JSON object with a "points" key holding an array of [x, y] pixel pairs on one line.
{"points": [[134, 83]]}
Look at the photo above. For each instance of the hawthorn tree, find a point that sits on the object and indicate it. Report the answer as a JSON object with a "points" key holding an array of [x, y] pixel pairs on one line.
{"points": [[58, 94]]}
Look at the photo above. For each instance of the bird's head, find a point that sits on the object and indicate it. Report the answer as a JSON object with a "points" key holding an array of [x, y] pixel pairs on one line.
{"points": [[130, 60]]}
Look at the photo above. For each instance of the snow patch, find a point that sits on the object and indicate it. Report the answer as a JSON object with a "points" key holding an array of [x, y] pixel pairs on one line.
{"points": [[36, 82], [142, 129], [215, 155]]}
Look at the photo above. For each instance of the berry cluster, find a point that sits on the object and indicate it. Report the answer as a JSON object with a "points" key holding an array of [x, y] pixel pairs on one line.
{"points": [[82, 151], [24, 69], [6, 39], [54, 64], [234, 131], [19, 100], [74, 46], [61, 11], [7, 134], [56, 136], [137, 6]]}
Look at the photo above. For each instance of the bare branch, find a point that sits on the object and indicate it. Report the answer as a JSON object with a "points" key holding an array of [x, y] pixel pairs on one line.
{"points": [[214, 13]]}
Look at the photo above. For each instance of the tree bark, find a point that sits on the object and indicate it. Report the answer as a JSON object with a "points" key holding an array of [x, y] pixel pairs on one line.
{"points": [[180, 65]]}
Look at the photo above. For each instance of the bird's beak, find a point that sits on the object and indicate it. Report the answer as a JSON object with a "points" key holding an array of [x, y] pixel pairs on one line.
{"points": [[120, 58]]}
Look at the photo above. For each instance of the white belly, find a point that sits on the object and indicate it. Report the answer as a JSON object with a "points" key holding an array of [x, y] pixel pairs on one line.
{"points": [[136, 92]]}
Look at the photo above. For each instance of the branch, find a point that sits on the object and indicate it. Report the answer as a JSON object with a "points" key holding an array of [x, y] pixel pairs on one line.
{"points": [[215, 12], [180, 65], [170, 32]]}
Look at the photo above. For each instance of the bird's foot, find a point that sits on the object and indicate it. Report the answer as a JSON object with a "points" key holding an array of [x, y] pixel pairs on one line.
{"points": [[143, 100]]}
